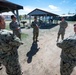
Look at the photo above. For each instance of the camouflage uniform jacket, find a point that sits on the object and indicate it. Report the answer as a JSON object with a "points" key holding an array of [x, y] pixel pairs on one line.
{"points": [[8, 42], [63, 26], [35, 26], [15, 26], [68, 47]]}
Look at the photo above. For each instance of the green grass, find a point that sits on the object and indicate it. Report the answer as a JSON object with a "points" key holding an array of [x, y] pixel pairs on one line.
{"points": [[23, 35], [7, 27]]}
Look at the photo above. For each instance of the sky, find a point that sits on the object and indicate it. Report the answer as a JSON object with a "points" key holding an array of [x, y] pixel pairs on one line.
{"points": [[54, 6]]}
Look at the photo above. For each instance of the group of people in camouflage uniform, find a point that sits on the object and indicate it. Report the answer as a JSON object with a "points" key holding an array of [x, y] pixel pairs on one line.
{"points": [[68, 46], [10, 42]]}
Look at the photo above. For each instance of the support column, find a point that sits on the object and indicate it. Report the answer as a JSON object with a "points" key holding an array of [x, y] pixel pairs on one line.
{"points": [[17, 15], [29, 20]]}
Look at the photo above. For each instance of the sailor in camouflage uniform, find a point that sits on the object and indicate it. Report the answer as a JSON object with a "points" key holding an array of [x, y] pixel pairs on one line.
{"points": [[35, 26], [68, 55], [63, 25], [14, 26], [8, 50]]}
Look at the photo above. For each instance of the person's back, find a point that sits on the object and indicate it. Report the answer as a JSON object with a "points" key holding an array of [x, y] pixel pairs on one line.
{"points": [[8, 52], [68, 55]]}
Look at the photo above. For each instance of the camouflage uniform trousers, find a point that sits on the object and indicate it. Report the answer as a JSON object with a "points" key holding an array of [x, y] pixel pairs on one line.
{"points": [[11, 63], [17, 33], [35, 35], [61, 32], [66, 67]]}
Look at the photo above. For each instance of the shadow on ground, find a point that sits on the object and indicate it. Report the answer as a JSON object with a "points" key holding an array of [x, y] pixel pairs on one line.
{"points": [[34, 49]]}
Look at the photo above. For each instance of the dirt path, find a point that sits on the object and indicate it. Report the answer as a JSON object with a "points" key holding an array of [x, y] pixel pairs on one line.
{"points": [[42, 58]]}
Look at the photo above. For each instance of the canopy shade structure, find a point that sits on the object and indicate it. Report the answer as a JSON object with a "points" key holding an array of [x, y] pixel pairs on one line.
{"points": [[39, 12], [6, 6]]}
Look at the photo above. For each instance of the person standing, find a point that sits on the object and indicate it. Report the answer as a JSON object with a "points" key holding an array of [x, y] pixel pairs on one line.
{"points": [[35, 26], [75, 28], [14, 26], [63, 25], [9, 45], [68, 55]]}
